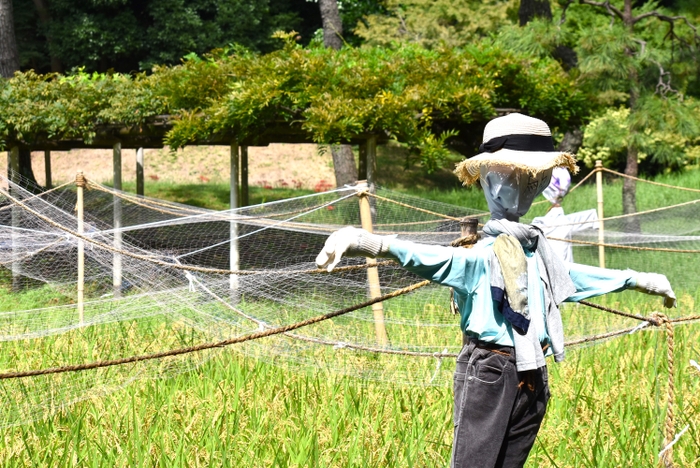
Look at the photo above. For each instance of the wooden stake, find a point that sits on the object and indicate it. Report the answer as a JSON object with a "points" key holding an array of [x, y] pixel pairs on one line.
{"points": [[117, 215], [234, 255], [601, 215], [13, 169], [245, 198], [371, 171], [80, 184], [372, 272], [47, 169], [139, 171]]}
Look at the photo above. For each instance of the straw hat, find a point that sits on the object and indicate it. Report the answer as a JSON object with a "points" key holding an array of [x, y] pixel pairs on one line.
{"points": [[516, 140]]}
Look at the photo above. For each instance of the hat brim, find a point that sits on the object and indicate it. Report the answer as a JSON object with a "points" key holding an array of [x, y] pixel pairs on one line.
{"points": [[533, 162]]}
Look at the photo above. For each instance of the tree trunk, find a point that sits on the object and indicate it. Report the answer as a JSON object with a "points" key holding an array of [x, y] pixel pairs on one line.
{"points": [[332, 24], [45, 19], [343, 159], [629, 191], [529, 9], [344, 165], [629, 187], [25, 169], [9, 57], [572, 141]]}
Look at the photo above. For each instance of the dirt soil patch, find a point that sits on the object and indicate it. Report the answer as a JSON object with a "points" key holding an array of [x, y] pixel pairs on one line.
{"points": [[277, 165]]}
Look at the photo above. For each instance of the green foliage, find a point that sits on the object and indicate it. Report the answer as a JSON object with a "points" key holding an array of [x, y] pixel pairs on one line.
{"points": [[639, 81], [128, 35], [417, 96], [434, 22]]}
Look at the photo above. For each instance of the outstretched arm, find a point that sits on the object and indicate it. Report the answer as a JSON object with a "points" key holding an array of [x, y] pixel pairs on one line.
{"points": [[458, 268], [592, 281]]}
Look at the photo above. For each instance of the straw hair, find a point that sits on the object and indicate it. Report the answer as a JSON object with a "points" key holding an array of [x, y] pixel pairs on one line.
{"points": [[532, 162]]}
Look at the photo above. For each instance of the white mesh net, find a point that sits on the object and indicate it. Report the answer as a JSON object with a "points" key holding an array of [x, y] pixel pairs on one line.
{"points": [[176, 288]]}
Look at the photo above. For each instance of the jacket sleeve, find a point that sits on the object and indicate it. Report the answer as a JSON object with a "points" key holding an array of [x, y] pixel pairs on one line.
{"points": [[593, 281], [462, 269]]}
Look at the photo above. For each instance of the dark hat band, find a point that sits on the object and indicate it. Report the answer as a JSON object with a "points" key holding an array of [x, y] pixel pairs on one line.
{"points": [[518, 143]]}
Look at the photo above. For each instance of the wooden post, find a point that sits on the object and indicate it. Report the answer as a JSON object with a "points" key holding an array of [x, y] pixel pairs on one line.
{"points": [[371, 171], [13, 170], [234, 255], [601, 213], [47, 169], [372, 272], [245, 197], [362, 163], [80, 184], [117, 216], [139, 171]]}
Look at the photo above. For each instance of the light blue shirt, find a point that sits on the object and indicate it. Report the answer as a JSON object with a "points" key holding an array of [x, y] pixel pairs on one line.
{"points": [[467, 271]]}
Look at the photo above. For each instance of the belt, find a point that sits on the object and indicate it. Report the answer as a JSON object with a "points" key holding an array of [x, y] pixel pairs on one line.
{"points": [[493, 347]]}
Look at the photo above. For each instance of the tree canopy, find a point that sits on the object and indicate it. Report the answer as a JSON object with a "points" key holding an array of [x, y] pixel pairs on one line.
{"points": [[419, 96]]}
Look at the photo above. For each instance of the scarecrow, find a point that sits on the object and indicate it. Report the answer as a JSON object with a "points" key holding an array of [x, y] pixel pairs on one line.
{"points": [[508, 287]]}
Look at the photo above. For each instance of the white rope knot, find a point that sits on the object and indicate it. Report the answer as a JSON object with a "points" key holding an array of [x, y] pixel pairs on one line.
{"points": [[340, 345], [190, 277], [438, 365], [639, 327]]}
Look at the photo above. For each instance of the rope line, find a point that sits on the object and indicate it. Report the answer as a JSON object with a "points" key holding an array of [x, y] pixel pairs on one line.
{"points": [[379, 197], [574, 188], [655, 319], [677, 187], [610, 218], [206, 346], [620, 246]]}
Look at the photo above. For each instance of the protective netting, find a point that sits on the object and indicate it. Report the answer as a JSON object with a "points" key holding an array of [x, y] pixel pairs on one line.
{"points": [[176, 287]]}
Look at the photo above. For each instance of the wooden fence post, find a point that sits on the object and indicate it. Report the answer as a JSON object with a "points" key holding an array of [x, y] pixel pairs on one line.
{"points": [[80, 184], [47, 169], [117, 217], [372, 272], [234, 255], [245, 197], [601, 212], [139, 171], [13, 169]]}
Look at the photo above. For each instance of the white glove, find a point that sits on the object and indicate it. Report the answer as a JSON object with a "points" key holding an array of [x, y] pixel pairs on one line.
{"points": [[351, 241], [658, 285]]}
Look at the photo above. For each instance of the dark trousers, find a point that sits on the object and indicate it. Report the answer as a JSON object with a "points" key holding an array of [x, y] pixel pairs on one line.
{"points": [[498, 410]]}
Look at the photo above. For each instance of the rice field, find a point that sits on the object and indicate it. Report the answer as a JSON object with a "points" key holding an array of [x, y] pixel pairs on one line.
{"points": [[229, 409]]}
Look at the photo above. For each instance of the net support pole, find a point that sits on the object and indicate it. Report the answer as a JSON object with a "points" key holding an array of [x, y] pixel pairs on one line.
{"points": [[47, 169], [117, 216], [80, 185], [601, 212], [372, 272], [245, 196], [371, 172], [234, 254], [13, 169], [139, 171]]}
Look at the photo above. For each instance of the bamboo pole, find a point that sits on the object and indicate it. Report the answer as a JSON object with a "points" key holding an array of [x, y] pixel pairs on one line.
{"points": [[601, 214], [80, 184], [139, 171], [47, 169], [234, 254], [117, 216], [245, 197], [372, 272], [13, 169]]}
